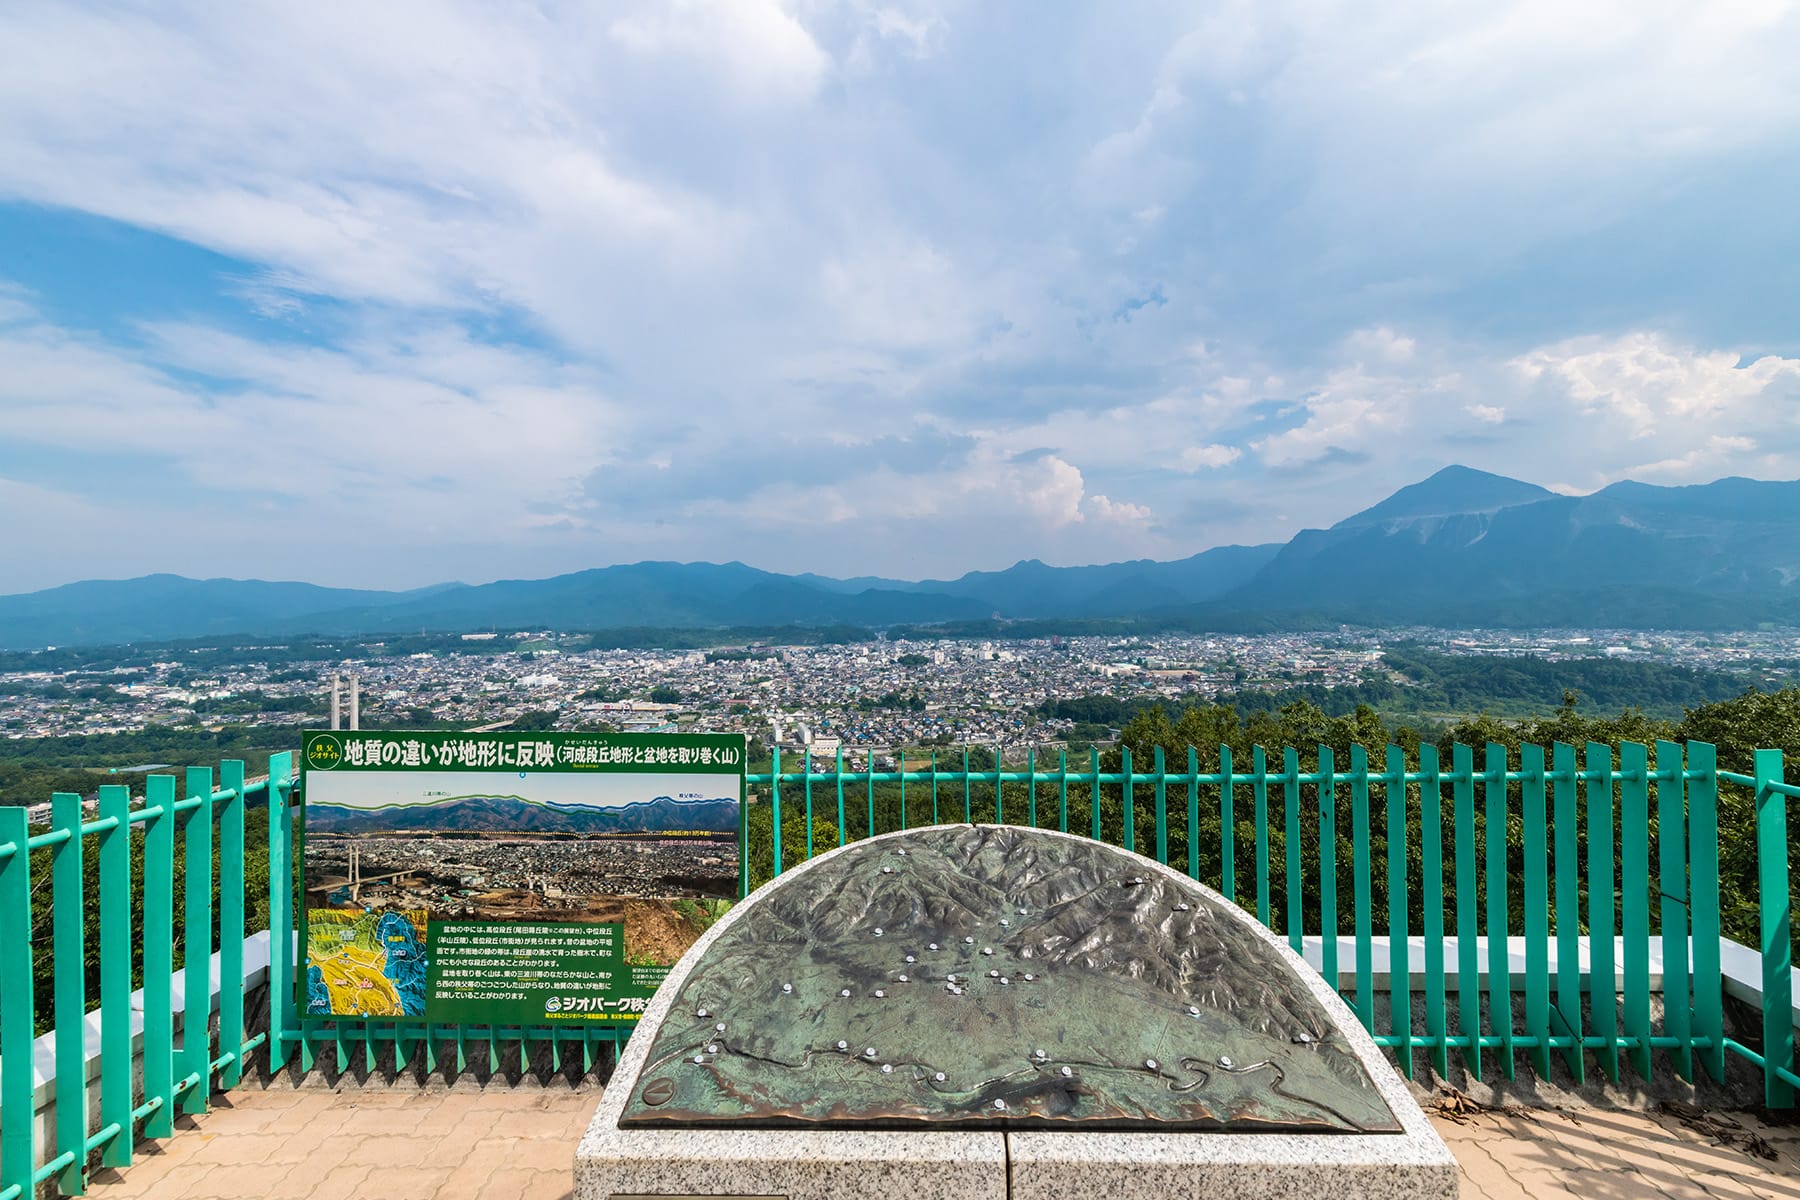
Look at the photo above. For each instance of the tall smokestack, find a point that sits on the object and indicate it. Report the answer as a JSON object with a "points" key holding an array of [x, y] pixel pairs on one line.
{"points": [[337, 691], [356, 702]]}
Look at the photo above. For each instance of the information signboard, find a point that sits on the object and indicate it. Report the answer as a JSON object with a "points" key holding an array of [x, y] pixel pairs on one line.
{"points": [[511, 878]]}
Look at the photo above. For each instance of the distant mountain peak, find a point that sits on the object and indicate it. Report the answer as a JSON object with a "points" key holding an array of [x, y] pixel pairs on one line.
{"points": [[1454, 490]]}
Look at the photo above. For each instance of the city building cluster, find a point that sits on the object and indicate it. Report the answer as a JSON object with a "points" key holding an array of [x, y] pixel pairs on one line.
{"points": [[863, 698]]}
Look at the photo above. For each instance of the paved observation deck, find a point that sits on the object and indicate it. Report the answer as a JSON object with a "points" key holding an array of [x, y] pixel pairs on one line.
{"points": [[518, 1143]]}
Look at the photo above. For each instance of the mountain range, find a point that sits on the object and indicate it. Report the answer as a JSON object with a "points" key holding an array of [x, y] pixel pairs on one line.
{"points": [[1461, 548], [512, 814]]}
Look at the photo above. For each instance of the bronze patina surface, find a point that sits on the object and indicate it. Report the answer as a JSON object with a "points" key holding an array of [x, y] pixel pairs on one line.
{"points": [[982, 976]]}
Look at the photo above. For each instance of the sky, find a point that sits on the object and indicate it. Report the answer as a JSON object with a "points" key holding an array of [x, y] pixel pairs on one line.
{"points": [[387, 295]]}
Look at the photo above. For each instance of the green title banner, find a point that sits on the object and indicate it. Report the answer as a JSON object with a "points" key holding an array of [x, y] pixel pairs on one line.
{"points": [[427, 750]]}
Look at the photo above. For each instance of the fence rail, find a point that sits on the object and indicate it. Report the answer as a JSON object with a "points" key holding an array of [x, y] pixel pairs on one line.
{"points": [[1601, 848]]}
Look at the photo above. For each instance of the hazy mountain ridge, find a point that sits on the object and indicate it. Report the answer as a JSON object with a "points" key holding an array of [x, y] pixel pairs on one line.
{"points": [[512, 814], [1461, 548]]}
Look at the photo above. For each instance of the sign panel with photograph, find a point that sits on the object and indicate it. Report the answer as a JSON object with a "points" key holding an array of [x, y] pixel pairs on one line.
{"points": [[513, 877]]}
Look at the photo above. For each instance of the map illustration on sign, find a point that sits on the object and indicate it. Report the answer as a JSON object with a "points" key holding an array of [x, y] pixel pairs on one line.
{"points": [[512, 876], [367, 963]]}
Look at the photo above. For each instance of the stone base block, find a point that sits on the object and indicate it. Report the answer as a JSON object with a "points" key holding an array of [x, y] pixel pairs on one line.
{"points": [[791, 1164]]}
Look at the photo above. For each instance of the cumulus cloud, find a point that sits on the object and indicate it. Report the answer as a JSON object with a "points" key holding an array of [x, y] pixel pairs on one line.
{"points": [[799, 283], [1209, 457]]}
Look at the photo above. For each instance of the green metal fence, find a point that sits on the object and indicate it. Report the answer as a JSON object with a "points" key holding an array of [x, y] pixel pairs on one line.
{"points": [[1586, 822], [174, 1078], [1276, 838]]}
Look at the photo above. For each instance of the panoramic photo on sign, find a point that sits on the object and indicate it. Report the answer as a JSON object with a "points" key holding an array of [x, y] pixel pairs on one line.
{"points": [[511, 878]]}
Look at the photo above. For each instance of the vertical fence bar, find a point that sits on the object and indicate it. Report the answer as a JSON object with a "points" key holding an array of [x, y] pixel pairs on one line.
{"points": [[1193, 825], [115, 973], [68, 959], [1468, 964], [1290, 762], [1259, 796], [16, 1016], [1672, 883], [1431, 895], [842, 836], [282, 1018], [900, 753], [1703, 898], [1634, 897], [231, 921], [1399, 948], [1359, 867], [1162, 809], [807, 761], [1128, 836], [159, 970], [968, 813], [196, 1009], [1535, 835], [775, 810], [1494, 843], [1031, 792], [1328, 926], [934, 788], [1773, 902], [1227, 823], [1094, 790], [869, 768], [1062, 790], [1602, 998], [999, 800], [1568, 908]]}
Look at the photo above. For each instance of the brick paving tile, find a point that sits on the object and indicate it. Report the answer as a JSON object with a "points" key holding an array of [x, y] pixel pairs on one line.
{"points": [[390, 1150], [508, 1183], [517, 1143], [550, 1185]]}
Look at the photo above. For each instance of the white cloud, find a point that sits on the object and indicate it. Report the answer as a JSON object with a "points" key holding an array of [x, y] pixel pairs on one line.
{"points": [[1645, 381], [1209, 457], [538, 250], [1118, 510]]}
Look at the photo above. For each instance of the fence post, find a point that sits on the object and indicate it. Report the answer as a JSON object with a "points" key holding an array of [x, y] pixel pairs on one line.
{"points": [[775, 808], [1535, 836], [840, 790], [1227, 823], [68, 959], [1162, 809], [159, 957], [1602, 976], [1567, 828], [115, 974], [231, 922], [1128, 835], [16, 1016], [1703, 900], [1359, 867], [1468, 961], [282, 918], [1774, 902], [1494, 837], [1328, 924], [1431, 896], [1259, 795], [196, 1046], [1399, 964], [1290, 765], [1671, 875]]}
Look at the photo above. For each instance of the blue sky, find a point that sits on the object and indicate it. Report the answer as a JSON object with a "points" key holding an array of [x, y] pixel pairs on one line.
{"points": [[388, 295]]}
